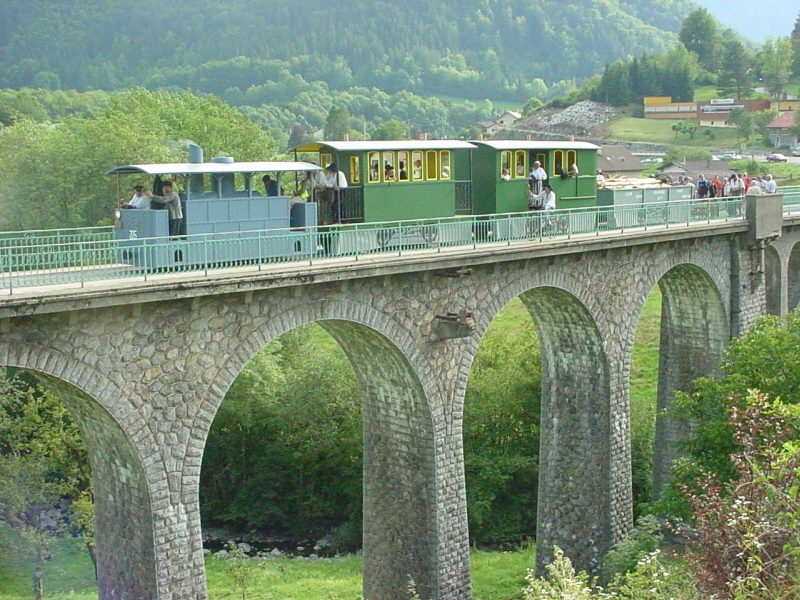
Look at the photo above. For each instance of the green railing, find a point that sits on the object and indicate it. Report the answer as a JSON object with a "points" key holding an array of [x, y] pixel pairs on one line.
{"points": [[94, 257], [791, 198], [37, 237]]}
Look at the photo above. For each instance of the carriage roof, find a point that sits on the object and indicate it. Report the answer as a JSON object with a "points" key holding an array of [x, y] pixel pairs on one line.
{"points": [[215, 168], [536, 145], [381, 145]]}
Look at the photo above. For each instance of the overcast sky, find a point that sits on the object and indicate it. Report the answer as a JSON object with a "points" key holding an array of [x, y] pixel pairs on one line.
{"points": [[755, 19]]}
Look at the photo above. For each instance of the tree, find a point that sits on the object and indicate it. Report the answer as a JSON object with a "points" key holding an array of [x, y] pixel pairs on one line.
{"points": [[747, 531], [775, 61], [736, 73], [743, 120], [393, 129], [699, 35], [766, 358], [297, 136], [795, 37], [50, 165], [337, 124]]}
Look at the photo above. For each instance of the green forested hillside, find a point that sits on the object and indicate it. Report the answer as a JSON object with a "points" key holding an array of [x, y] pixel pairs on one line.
{"points": [[469, 48]]}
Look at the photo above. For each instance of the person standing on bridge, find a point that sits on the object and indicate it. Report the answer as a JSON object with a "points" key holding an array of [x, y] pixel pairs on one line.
{"points": [[537, 178], [172, 201]]}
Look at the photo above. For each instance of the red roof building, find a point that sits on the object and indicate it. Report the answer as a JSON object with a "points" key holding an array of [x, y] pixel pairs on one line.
{"points": [[780, 133]]}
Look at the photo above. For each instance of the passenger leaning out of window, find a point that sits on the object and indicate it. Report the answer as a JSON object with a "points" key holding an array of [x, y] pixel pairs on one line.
{"points": [[544, 201]]}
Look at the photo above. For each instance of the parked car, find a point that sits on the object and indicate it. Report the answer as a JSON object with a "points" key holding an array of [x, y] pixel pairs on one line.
{"points": [[776, 157], [796, 151], [730, 156]]}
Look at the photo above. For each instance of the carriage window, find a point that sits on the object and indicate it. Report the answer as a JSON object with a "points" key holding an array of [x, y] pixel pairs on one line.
{"points": [[374, 167], [325, 159], [572, 159], [505, 163], [389, 173], [430, 159], [417, 166], [444, 159], [542, 158], [558, 162], [355, 171], [402, 166], [519, 164]]}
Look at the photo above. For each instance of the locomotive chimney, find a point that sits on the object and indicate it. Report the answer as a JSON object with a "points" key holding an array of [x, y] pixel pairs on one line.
{"points": [[196, 183], [195, 154]]}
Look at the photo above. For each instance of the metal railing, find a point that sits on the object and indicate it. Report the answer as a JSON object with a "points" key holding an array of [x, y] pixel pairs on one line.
{"points": [[34, 237], [78, 261], [791, 198]]}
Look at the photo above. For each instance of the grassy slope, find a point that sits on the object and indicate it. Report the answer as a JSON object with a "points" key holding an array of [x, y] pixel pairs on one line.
{"points": [[495, 575], [660, 132], [644, 365]]}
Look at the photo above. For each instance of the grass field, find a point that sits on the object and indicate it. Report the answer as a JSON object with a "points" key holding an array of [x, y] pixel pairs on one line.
{"points": [[495, 576], [660, 132]]}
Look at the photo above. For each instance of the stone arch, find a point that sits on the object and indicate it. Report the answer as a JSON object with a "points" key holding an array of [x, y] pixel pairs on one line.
{"points": [[575, 488], [401, 464], [694, 332], [773, 279], [126, 564], [793, 279]]}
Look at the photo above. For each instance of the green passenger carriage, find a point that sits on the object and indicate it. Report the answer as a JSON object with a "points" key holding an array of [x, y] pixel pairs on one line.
{"points": [[399, 180], [500, 170]]}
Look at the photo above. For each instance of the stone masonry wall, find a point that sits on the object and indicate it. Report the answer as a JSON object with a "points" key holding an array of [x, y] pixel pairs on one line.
{"points": [[161, 370], [694, 332], [121, 499]]}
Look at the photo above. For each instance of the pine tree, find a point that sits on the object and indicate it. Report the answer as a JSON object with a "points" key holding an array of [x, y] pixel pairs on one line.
{"points": [[795, 37], [735, 78]]}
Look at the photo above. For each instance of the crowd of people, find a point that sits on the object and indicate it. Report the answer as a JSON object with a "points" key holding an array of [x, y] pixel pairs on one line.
{"points": [[728, 187], [731, 186]]}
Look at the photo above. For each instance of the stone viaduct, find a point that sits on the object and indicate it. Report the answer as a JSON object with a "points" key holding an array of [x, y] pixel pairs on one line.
{"points": [[148, 366]]}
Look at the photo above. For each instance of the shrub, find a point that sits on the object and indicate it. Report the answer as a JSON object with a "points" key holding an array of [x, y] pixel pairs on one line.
{"points": [[650, 580], [748, 543], [626, 554]]}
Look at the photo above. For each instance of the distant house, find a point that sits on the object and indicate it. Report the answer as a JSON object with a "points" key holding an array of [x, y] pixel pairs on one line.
{"points": [[694, 168], [781, 105], [717, 113], [503, 121], [780, 130], [618, 160], [662, 107]]}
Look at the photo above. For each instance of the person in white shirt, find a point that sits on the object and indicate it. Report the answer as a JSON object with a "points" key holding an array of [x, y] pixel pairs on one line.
{"points": [[335, 181], [545, 201], [770, 186], [139, 199], [537, 178], [601, 179]]}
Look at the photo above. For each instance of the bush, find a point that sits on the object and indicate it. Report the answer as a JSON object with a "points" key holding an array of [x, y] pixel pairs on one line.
{"points": [[650, 580], [626, 554], [748, 538]]}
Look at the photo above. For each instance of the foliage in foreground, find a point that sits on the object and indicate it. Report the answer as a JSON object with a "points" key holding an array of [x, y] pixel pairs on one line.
{"points": [[650, 580], [748, 531], [766, 358]]}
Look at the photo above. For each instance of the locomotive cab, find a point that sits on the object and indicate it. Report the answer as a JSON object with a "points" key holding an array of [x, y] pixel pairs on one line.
{"points": [[219, 202]]}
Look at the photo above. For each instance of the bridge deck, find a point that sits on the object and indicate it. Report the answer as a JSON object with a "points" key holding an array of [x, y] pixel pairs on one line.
{"points": [[343, 254]]}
